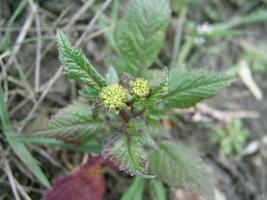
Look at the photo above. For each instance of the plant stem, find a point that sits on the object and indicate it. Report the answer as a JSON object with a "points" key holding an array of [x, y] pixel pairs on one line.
{"points": [[124, 115]]}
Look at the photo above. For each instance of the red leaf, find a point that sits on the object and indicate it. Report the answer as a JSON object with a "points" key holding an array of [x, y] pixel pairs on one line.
{"points": [[86, 183]]}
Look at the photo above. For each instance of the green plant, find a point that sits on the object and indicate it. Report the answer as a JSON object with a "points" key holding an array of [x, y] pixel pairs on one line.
{"points": [[230, 137], [125, 106]]}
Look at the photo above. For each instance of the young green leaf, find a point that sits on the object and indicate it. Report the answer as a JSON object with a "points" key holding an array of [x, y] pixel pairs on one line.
{"points": [[73, 124], [135, 191], [129, 155], [18, 147], [159, 91], [112, 76], [187, 87], [140, 34], [178, 167], [157, 190], [76, 65]]}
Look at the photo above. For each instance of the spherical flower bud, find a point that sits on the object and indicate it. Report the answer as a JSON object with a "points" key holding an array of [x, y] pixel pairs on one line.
{"points": [[140, 87], [113, 96]]}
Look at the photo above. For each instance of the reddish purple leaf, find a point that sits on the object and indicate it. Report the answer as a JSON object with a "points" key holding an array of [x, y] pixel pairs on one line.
{"points": [[86, 183]]}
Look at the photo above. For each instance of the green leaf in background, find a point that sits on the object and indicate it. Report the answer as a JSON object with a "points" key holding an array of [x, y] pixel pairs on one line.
{"points": [[135, 191], [157, 190], [73, 124], [112, 76], [178, 167], [140, 34], [76, 65], [187, 87], [230, 137], [18, 147], [129, 155]]}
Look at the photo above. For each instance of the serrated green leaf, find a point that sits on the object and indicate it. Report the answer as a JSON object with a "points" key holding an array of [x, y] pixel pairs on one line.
{"points": [[76, 65], [112, 76], [73, 124], [135, 191], [129, 155], [18, 147], [178, 167], [187, 87], [140, 34], [157, 190]]}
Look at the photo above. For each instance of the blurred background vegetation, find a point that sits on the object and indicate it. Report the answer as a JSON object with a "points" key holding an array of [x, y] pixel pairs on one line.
{"points": [[229, 132]]}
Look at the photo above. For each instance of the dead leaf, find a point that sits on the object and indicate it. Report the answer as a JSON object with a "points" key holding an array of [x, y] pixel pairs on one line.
{"points": [[179, 194], [85, 183], [246, 76], [167, 124]]}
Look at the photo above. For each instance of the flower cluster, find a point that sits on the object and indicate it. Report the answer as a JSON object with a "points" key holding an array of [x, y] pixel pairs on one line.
{"points": [[113, 96], [140, 87]]}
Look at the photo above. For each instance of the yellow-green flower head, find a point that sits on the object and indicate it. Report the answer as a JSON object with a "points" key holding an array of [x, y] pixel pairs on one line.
{"points": [[113, 96], [140, 87]]}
